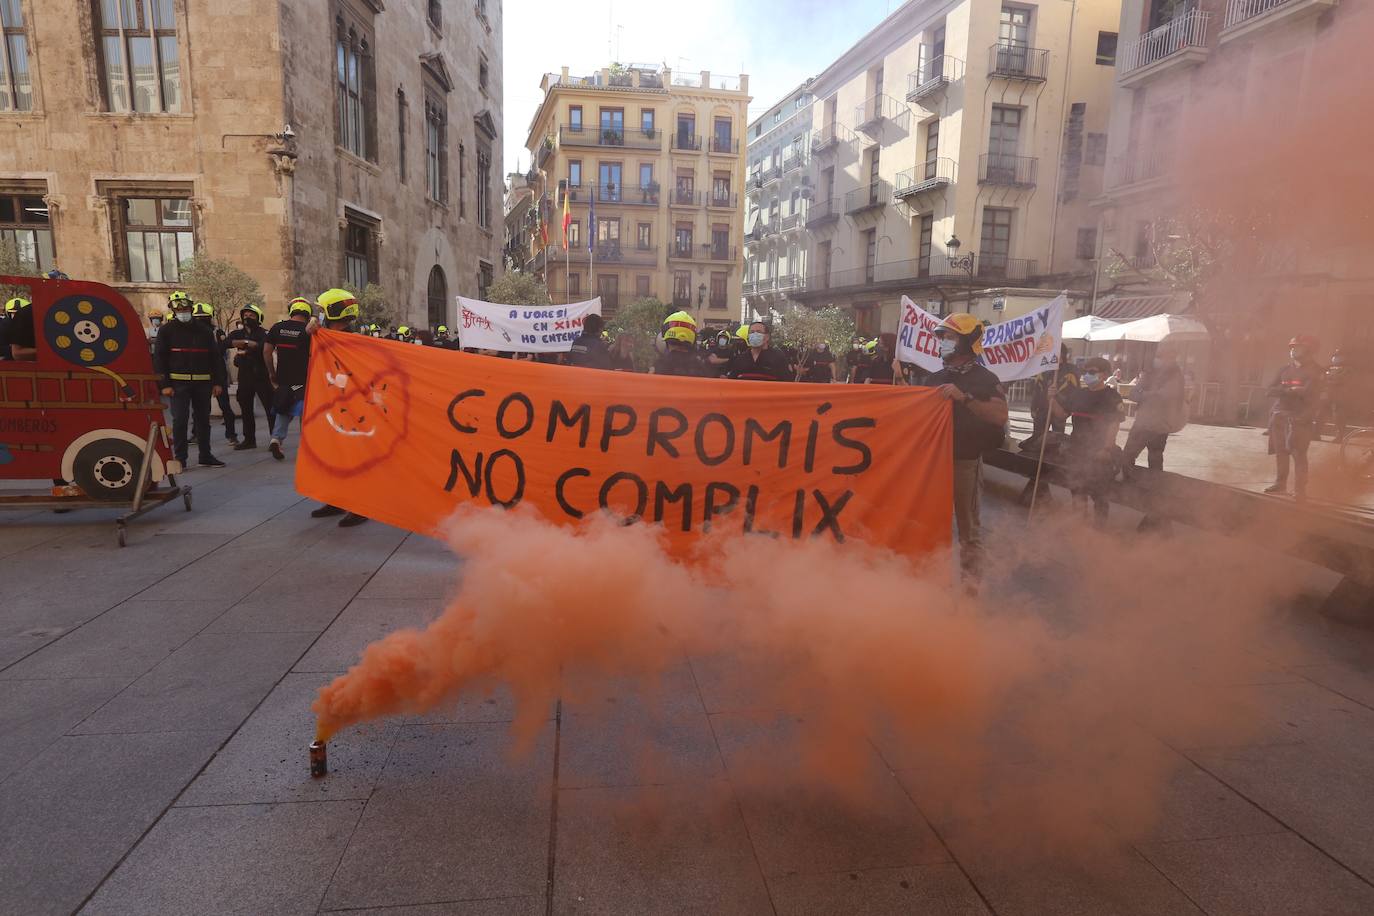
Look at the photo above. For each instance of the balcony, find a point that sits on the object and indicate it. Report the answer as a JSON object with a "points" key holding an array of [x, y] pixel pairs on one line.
{"points": [[792, 162], [823, 213], [756, 234], [1181, 42], [720, 253], [748, 287], [928, 176], [875, 196], [722, 200], [723, 146], [790, 222], [870, 117], [689, 142], [685, 251], [683, 197], [716, 303], [769, 175], [618, 137], [545, 151], [829, 137], [1139, 167], [899, 273], [933, 76], [628, 195], [769, 228], [606, 253], [1245, 17], [789, 283], [1011, 61], [1007, 171]]}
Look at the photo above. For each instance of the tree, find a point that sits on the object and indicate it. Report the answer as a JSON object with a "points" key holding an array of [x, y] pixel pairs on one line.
{"points": [[642, 321], [516, 288], [803, 329], [220, 283], [11, 264], [373, 307]]}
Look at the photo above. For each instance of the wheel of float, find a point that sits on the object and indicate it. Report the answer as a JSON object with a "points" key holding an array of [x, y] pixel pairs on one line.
{"points": [[120, 531], [108, 469], [186, 498]]}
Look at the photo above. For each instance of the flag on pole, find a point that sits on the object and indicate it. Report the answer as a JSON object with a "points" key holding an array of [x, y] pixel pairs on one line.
{"points": [[544, 221], [567, 217]]}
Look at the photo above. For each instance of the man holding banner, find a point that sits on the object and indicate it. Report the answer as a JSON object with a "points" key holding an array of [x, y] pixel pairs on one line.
{"points": [[980, 421]]}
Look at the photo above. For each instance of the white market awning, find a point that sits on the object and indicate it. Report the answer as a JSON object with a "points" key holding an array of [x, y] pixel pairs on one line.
{"points": [[1086, 328], [1157, 329]]}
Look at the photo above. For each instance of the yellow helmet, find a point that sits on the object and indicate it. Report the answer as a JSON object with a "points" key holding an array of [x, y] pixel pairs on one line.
{"points": [[443, 329], [203, 310], [250, 307], [178, 296], [743, 332], [155, 314], [680, 326], [403, 331], [300, 304], [966, 326], [338, 304], [15, 305]]}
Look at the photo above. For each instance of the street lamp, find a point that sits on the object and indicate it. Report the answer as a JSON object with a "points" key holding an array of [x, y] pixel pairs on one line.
{"points": [[961, 262]]}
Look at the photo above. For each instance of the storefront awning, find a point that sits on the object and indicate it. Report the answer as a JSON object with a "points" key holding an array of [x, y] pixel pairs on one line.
{"points": [[1134, 308]]}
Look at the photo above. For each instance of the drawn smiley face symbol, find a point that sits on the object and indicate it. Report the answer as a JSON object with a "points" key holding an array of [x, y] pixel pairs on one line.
{"points": [[353, 420], [361, 417]]}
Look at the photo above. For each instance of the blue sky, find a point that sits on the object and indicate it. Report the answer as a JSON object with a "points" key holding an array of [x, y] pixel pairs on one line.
{"points": [[777, 42]]}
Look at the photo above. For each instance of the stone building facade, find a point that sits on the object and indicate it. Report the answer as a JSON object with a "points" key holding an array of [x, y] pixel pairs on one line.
{"points": [[158, 128]]}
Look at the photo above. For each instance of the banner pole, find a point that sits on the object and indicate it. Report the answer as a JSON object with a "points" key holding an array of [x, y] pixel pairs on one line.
{"points": [[567, 271]]}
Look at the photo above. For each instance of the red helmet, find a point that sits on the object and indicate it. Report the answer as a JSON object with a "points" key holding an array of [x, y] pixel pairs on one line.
{"points": [[1306, 341]]}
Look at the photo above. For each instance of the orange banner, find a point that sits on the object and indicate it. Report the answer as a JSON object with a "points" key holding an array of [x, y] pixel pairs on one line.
{"points": [[405, 434]]}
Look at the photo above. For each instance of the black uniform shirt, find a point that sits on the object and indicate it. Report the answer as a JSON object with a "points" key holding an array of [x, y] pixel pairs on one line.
{"points": [[590, 352], [771, 366], [292, 346], [972, 436], [250, 360]]}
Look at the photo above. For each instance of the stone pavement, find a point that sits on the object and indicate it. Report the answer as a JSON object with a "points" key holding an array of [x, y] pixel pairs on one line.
{"points": [[154, 716]]}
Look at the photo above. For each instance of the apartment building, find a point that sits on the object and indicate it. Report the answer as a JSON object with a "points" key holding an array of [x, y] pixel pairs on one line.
{"points": [[314, 144], [521, 219], [954, 152], [653, 166], [1189, 75]]}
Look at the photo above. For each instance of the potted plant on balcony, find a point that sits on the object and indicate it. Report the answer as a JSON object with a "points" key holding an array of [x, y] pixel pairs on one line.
{"points": [[610, 137], [651, 192]]}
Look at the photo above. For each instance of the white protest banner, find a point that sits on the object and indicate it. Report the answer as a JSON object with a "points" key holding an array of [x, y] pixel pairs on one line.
{"points": [[1025, 346], [522, 328], [916, 343]]}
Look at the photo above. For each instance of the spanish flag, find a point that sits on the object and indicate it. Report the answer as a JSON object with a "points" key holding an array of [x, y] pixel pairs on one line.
{"points": [[567, 217]]}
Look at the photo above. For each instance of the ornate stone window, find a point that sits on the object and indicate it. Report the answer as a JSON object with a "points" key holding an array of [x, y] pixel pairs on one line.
{"points": [[139, 64]]}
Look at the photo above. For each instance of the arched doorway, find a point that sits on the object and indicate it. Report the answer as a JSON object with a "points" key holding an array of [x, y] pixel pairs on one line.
{"points": [[438, 297]]}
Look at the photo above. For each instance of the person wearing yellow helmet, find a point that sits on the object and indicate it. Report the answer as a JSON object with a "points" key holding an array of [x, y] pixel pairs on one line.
{"points": [[191, 364], [204, 313], [980, 422], [679, 355], [248, 344], [6, 322], [759, 363], [287, 355], [340, 312]]}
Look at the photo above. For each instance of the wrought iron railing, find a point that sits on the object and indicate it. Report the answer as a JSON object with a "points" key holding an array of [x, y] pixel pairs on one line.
{"points": [[1012, 60], [932, 76], [823, 212], [934, 173], [872, 196], [629, 138], [1188, 30], [1008, 171]]}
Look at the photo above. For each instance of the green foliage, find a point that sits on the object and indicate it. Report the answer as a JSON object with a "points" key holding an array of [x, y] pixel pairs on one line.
{"points": [[802, 329], [11, 265], [642, 321], [373, 307], [517, 288], [1185, 253], [221, 284]]}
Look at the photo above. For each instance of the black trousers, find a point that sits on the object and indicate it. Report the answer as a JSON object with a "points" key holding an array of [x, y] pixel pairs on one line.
{"points": [[188, 398], [253, 387]]}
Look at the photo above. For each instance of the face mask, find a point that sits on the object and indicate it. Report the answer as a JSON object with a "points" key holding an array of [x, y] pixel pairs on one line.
{"points": [[184, 316], [947, 347], [1295, 355], [755, 338], [253, 321], [1090, 379]]}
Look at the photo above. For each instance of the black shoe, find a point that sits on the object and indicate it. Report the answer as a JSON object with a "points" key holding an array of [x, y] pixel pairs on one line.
{"points": [[275, 448], [326, 511], [232, 439], [245, 445], [352, 520], [210, 461]]}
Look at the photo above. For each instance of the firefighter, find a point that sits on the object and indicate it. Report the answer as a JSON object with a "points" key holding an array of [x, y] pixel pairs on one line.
{"points": [[340, 311], [248, 343], [759, 363], [7, 322], [679, 355], [204, 313], [287, 354], [1292, 424], [589, 350], [192, 372], [154, 322]]}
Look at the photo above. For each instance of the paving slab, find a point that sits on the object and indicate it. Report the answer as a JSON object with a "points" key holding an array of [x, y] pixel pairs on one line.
{"points": [[1261, 714], [655, 850], [491, 906], [362, 623], [928, 890], [267, 760], [211, 683], [69, 815], [255, 860], [125, 641], [421, 568], [1267, 875], [267, 611], [1195, 805], [14, 648], [1351, 683], [34, 714], [1103, 883], [476, 816], [804, 826]]}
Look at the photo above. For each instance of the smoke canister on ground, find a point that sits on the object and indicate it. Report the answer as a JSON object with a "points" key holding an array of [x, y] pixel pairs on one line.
{"points": [[319, 759]]}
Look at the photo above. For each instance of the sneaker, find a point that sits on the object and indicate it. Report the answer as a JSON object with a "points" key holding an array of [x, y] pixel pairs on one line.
{"points": [[210, 461], [245, 445], [352, 520], [275, 448], [1280, 488], [326, 511], [232, 440]]}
